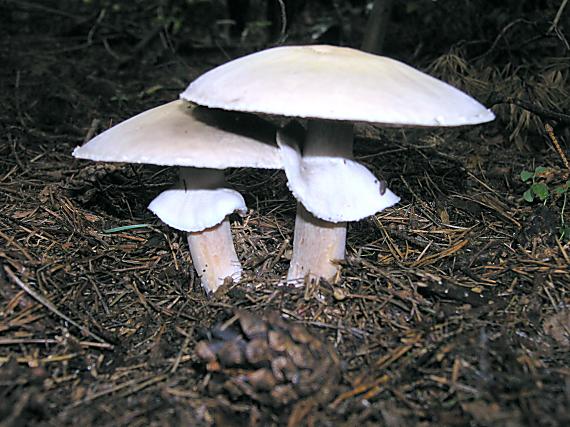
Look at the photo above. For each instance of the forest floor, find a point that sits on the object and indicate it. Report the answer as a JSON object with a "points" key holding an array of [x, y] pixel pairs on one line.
{"points": [[453, 307]]}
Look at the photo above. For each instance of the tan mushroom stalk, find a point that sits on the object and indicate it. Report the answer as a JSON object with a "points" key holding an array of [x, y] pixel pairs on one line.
{"points": [[202, 142], [333, 88]]}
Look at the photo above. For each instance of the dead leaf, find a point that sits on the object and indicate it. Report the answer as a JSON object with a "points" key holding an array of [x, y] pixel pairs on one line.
{"points": [[23, 214], [558, 327]]}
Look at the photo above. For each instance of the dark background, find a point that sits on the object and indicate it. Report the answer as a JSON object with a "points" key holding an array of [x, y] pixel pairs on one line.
{"points": [[453, 306]]}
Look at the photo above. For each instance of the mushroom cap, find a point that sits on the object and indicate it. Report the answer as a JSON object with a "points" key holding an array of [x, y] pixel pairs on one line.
{"points": [[176, 134], [336, 83], [195, 210], [334, 189]]}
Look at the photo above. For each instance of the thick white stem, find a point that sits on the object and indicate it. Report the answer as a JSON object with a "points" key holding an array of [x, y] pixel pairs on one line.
{"points": [[214, 256], [318, 244], [212, 250]]}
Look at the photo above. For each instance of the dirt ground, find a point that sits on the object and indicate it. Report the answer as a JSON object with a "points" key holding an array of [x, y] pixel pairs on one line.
{"points": [[453, 308]]}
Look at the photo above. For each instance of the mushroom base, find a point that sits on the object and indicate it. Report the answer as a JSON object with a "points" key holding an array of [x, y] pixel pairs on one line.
{"points": [[317, 248], [214, 256]]}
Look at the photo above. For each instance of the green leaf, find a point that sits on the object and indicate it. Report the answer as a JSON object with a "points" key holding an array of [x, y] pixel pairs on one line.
{"points": [[561, 190], [528, 196], [540, 190], [125, 228], [565, 233], [539, 169], [526, 175]]}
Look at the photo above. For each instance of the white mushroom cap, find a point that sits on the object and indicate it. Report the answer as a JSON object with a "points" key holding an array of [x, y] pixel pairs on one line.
{"points": [[176, 134], [195, 210], [199, 201], [334, 83], [334, 189]]}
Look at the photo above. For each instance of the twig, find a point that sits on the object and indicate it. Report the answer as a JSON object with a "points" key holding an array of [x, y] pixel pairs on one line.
{"points": [[376, 26], [180, 353], [143, 43], [360, 333], [282, 34], [539, 111], [137, 383], [563, 251], [360, 389], [11, 241], [558, 16], [27, 6], [443, 254], [31, 361], [46, 341], [552, 136], [505, 29], [92, 129], [49, 305]]}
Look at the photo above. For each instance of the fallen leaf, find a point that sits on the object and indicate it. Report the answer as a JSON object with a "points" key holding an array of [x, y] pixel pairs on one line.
{"points": [[558, 327]]}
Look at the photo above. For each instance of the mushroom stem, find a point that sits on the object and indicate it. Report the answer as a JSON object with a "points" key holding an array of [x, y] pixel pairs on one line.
{"points": [[212, 249], [318, 245], [328, 138], [214, 256], [202, 178]]}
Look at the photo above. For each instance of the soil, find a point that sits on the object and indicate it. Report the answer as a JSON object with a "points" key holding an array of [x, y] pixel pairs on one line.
{"points": [[453, 307]]}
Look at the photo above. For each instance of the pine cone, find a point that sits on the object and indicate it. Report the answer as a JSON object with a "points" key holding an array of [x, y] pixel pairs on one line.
{"points": [[269, 360]]}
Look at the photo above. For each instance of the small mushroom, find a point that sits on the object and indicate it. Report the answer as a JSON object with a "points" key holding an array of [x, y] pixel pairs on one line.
{"points": [[202, 142], [333, 88]]}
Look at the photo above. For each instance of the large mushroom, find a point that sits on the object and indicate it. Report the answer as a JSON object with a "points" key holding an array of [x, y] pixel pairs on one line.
{"points": [[202, 142], [333, 88]]}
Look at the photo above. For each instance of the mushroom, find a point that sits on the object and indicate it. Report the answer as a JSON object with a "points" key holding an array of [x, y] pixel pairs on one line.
{"points": [[202, 142], [333, 88]]}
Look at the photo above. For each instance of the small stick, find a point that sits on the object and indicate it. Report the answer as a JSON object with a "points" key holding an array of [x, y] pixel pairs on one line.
{"points": [[180, 354], [46, 341], [138, 385], [376, 27], [283, 33], [558, 16], [552, 136], [49, 305], [363, 388], [535, 109], [92, 129], [31, 362]]}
